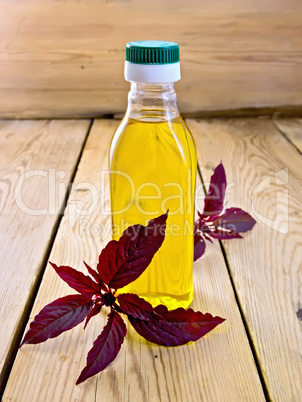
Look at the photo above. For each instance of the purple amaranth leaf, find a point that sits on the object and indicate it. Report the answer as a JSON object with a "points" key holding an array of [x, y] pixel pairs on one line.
{"points": [[105, 347], [96, 276], [57, 317], [220, 234], [123, 261], [214, 200], [168, 328], [77, 280], [136, 306], [213, 223], [199, 246], [95, 310], [192, 325], [236, 220], [107, 265]]}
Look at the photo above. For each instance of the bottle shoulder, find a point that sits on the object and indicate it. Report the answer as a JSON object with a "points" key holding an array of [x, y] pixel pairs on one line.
{"points": [[147, 124], [154, 137]]}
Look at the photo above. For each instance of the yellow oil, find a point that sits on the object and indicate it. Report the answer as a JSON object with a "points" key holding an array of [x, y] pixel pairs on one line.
{"points": [[153, 168]]}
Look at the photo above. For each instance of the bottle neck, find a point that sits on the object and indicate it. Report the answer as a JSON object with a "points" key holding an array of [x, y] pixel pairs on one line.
{"points": [[152, 102]]}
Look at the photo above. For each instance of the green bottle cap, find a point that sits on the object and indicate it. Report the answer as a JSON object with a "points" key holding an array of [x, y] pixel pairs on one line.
{"points": [[152, 52]]}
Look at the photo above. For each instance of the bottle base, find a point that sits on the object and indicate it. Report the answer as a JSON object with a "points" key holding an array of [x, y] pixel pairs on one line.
{"points": [[172, 302]]}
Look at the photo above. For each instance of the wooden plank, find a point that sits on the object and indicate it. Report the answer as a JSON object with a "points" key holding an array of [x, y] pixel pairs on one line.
{"points": [[66, 58], [264, 174], [217, 368], [292, 129], [37, 161]]}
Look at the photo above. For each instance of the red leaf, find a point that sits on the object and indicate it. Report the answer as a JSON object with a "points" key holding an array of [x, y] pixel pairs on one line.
{"points": [[107, 265], [57, 317], [236, 220], [166, 333], [95, 310], [96, 276], [192, 325], [105, 347], [199, 246], [207, 237], [163, 327], [124, 261], [136, 306], [77, 280], [213, 203], [220, 234], [92, 272]]}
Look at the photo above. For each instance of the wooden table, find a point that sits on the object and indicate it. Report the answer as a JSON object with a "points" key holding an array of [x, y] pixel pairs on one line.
{"points": [[255, 283]]}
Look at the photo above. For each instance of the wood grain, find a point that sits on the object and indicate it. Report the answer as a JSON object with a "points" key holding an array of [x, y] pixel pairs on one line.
{"points": [[37, 161], [65, 58], [264, 176], [292, 129], [219, 367]]}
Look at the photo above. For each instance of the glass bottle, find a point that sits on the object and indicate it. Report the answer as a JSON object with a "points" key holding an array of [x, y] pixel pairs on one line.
{"points": [[152, 166]]}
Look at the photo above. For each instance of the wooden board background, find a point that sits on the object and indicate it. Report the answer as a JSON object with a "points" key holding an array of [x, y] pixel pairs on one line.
{"points": [[260, 284], [64, 58], [219, 367]]}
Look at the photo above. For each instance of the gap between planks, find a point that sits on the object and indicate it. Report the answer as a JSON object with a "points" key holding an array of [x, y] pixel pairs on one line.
{"points": [[291, 130]]}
